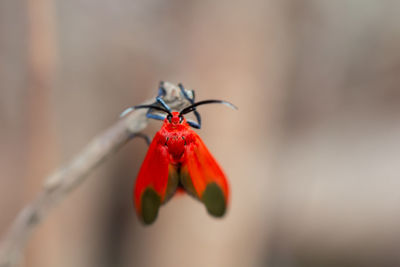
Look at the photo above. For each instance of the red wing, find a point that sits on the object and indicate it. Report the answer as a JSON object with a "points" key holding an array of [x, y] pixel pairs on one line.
{"points": [[202, 177], [156, 182]]}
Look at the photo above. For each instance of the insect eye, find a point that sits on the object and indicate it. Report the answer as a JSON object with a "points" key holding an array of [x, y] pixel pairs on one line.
{"points": [[180, 119], [169, 117]]}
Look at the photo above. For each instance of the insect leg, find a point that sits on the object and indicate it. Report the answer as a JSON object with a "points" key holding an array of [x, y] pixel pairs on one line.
{"points": [[161, 93], [154, 116], [141, 135], [159, 100], [183, 91], [191, 101], [193, 124], [161, 90]]}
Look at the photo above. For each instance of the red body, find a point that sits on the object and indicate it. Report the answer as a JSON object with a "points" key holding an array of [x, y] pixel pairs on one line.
{"points": [[177, 158]]}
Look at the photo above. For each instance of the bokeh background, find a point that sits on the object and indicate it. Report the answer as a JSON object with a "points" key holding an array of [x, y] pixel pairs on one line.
{"points": [[312, 155]]}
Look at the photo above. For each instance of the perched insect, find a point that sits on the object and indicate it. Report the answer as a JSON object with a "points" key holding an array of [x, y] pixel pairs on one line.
{"points": [[178, 159]]}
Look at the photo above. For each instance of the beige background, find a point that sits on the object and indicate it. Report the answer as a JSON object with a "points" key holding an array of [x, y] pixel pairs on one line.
{"points": [[312, 155]]}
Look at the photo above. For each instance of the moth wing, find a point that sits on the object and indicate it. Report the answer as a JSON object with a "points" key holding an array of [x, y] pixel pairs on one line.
{"points": [[203, 178], [156, 182]]}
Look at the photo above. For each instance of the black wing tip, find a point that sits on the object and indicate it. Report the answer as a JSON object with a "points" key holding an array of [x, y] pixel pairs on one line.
{"points": [[214, 200], [151, 202]]}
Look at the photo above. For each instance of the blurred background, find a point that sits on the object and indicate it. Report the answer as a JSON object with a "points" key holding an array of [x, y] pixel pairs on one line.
{"points": [[312, 155]]}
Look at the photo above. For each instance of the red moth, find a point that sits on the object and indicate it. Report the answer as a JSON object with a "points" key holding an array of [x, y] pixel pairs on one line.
{"points": [[178, 159]]}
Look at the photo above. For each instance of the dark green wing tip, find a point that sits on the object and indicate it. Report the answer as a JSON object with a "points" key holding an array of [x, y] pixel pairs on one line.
{"points": [[151, 202], [214, 199]]}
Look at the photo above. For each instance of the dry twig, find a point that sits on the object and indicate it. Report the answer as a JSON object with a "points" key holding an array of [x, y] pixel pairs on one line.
{"points": [[58, 185]]}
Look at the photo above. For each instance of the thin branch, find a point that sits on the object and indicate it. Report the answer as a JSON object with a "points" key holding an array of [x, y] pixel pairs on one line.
{"points": [[64, 180]]}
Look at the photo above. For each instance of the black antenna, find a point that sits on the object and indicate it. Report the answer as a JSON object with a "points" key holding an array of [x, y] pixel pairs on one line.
{"points": [[153, 107], [211, 101], [126, 111]]}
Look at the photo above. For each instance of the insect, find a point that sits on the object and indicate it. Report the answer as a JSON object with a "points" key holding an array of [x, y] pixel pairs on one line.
{"points": [[178, 159]]}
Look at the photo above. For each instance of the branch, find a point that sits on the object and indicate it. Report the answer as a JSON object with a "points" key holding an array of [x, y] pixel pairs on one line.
{"points": [[64, 180]]}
